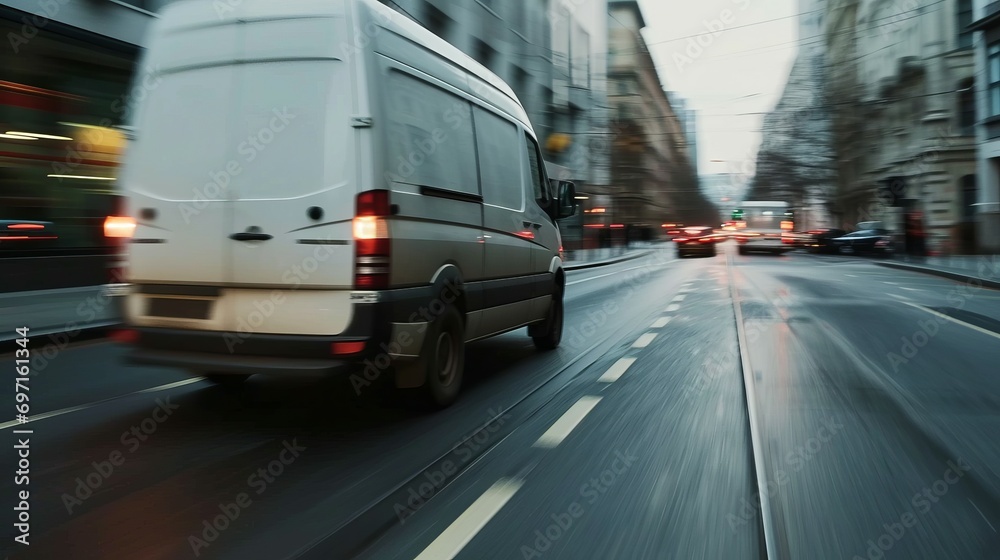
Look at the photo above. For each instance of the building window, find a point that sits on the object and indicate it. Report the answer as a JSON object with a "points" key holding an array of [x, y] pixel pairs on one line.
{"points": [[436, 21], [485, 54], [969, 197], [993, 74], [967, 107], [964, 20], [520, 84]]}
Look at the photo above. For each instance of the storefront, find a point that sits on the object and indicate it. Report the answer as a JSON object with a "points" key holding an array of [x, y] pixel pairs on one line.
{"points": [[62, 93]]}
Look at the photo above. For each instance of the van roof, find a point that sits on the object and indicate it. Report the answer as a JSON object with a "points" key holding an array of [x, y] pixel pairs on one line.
{"points": [[198, 13]]}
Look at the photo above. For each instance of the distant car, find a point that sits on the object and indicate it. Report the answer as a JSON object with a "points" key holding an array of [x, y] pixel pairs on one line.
{"points": [[869, 241], [698, 240], [821, 240], [797, 239]]}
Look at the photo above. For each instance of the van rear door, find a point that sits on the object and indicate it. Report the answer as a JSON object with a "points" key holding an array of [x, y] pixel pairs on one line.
{"points": [[175, 176], [295, 191]]}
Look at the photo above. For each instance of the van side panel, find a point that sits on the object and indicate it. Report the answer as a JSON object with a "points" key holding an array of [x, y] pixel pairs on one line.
{"points": [[426, 138]]}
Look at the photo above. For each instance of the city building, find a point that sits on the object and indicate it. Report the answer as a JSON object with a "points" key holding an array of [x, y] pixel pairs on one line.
{"points": [[689, 122], [902, 93], [987, 53], [796, 162], [653, 179], [66, 82]]}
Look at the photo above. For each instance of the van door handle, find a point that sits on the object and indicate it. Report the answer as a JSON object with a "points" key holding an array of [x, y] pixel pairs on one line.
{"points": [[532, 224], [248, 236]]}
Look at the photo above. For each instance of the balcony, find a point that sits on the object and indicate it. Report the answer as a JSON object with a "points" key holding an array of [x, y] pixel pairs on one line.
{"points": [[910, 67], [580, 98], [885, 87]]}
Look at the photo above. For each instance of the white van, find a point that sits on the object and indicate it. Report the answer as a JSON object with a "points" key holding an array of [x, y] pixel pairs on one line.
{"points": [[324, 183], [765, 227]]}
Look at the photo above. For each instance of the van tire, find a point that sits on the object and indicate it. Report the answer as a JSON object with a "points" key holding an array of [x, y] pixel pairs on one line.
{"points": [[444, 358], [548, 335]]}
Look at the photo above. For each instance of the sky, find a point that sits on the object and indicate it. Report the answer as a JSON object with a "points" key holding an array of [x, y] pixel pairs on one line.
{"points": [[741, 69]]}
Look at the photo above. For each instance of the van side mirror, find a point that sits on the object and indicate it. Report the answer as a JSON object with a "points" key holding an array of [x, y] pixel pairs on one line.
{"points": [[567, 199]]}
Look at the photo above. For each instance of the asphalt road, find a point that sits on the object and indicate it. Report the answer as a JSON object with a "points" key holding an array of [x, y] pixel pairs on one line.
{"points": [[631, 441]]}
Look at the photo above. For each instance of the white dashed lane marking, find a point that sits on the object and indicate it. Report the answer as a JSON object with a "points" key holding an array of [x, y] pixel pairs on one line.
{"points": [[453, 539], [644, 340], [660, 323], [567, 422], [673, 307], [617, 370]]}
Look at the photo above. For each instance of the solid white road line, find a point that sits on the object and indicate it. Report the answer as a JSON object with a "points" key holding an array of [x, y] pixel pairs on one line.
{"points": [[890, 295], [36, 417], [679, 297], [569, 420], [660, 323], [911, 289], [617, 272], [954, 320], [453, 539], [617, 370], [644, 340], [673, 307]]}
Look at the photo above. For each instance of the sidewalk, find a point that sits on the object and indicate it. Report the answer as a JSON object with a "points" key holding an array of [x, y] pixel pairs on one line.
{"points": [[983, 269], [84, 310], [63, 310]]}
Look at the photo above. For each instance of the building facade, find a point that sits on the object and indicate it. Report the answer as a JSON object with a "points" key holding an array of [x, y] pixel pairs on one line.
{"points": [[653, 177], [987, 54], [66, 72], [902, 84], [689, 122]]}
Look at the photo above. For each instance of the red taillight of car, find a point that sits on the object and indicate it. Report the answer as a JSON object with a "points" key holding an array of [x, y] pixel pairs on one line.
{"points": [[345, 348], [371, 241], [125, 336], [680, 240]]}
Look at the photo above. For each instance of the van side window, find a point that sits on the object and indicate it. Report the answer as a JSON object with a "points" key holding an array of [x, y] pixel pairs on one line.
{"points": [[535, 169], [429, 136], [499, 161]]}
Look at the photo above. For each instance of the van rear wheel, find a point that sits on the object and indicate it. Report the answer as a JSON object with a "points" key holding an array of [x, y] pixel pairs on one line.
{"points": [[444, 357], [548, 335]]}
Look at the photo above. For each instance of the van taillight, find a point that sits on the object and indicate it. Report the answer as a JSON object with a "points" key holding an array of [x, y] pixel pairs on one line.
{"points": [[371, 241]]}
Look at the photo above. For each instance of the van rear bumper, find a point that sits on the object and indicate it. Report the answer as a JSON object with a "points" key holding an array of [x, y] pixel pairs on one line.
{"points": [[375, 325]]}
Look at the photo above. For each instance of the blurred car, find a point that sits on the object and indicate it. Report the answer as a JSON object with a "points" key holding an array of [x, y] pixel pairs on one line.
{"points": [[673, 230], [26, 235], [698, 240], [868, 241], [797, 239], [821, 240]]}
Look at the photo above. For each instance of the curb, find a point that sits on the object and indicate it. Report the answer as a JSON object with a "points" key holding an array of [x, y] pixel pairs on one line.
{"points": [[38, 340], [616, 260], [942, 273]]}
